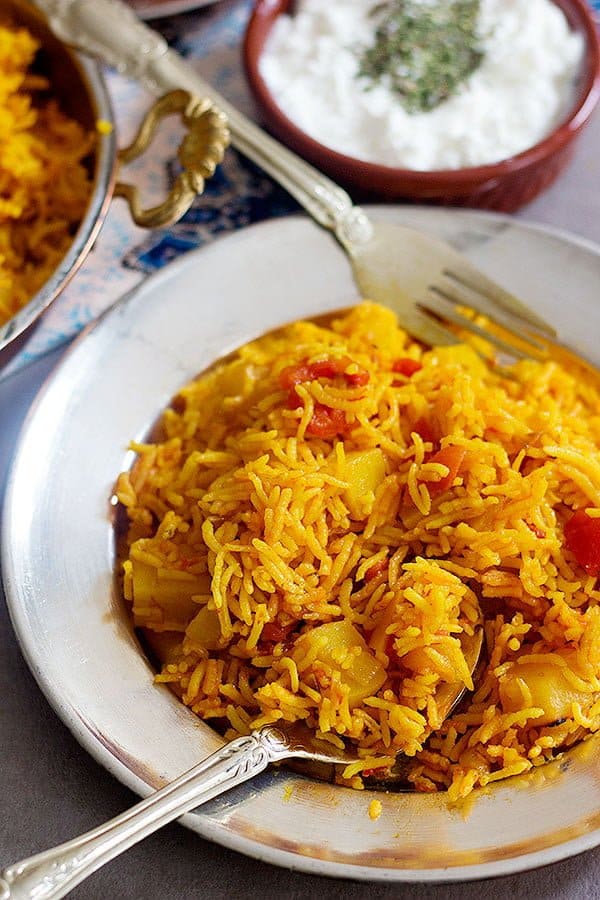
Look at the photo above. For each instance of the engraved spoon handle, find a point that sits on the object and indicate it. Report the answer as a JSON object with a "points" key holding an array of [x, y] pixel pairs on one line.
{"points": [[111, 31], [53, 873]]}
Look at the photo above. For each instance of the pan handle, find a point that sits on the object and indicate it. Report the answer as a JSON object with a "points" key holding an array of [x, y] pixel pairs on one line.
{"points": [[200, 152]]}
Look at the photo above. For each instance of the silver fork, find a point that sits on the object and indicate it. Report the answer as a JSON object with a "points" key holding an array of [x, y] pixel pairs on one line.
{"points": [[423, 279]]}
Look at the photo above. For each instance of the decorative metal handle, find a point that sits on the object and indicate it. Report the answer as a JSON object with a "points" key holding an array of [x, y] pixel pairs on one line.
{"points": [[201, 150], [110, 30], [54, 873]]}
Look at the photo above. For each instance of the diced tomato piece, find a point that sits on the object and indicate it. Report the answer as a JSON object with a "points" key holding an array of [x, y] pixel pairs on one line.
{"points": [[537, 531], [582, 536], [376, 569], [294, 400], [406, 366], [424, 429], [453, 458], [293, 375], [329, 368], [327, 422], [357, 379], [323, 368]]}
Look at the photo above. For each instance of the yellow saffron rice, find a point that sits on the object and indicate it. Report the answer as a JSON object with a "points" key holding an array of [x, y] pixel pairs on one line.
{"points": [[310, 532], [44, 186]]}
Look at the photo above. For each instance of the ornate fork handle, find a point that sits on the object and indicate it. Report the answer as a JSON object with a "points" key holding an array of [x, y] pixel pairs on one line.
{"points": [[110, 30], [55, 872]]}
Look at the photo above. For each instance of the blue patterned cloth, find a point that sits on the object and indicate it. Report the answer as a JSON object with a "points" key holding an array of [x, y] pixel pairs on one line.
{"points": [[238, 195]]}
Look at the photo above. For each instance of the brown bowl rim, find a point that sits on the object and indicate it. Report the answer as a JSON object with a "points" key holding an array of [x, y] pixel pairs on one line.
{"points": [[577, 12]]}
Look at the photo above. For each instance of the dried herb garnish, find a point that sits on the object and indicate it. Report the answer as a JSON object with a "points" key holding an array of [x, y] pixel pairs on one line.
{"points": [[423, 50]]}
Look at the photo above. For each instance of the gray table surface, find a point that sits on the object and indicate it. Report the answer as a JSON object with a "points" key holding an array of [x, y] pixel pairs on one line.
{"points": [[51, 790]]}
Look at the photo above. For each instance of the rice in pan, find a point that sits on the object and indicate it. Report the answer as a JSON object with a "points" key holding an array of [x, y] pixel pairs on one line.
{"points": [[44, 184], [313, 529]]}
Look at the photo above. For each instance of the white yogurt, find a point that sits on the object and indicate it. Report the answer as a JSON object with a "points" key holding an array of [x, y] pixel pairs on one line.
{"points": [[514, 98]]}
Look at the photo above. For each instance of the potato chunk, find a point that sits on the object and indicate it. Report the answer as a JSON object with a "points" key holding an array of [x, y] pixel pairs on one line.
{"points": [[162, 597], [205, 630], [364, 470], [546, 686], [338, 646]]}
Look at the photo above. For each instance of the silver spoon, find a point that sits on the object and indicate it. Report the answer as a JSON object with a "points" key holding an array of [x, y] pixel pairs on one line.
{"points": [[53, 873]]}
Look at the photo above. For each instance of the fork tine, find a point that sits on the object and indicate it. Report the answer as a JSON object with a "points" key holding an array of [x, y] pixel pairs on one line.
{"points": [[424, 328], [399, 265], [492, 296], [440, 308], [508, 323]]}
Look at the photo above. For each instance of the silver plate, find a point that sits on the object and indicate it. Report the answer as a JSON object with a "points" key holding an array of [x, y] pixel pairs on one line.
{"points": [[58, 555]]}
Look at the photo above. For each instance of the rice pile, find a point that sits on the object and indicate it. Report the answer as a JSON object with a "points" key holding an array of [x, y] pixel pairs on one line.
{"points": [[312, 531], [44, 186]]}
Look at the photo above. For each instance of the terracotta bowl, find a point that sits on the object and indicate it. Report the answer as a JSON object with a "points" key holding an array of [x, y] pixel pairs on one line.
{"points": [[505, 185]]}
